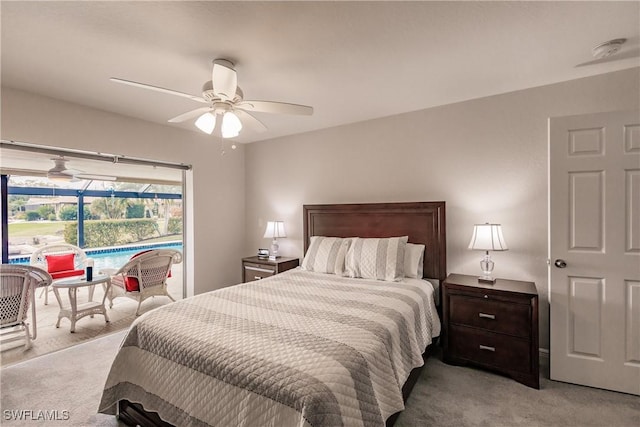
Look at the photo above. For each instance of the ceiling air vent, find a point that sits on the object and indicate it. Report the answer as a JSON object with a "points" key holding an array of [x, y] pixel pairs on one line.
{"points": [[607, 48]]}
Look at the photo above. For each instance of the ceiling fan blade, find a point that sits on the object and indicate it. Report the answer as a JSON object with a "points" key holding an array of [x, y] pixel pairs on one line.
{"points": [[58, 176], [275, 107], [250, 121], [73, 172], [159, 89], [190, 114], [224, 79], [92, 177]]}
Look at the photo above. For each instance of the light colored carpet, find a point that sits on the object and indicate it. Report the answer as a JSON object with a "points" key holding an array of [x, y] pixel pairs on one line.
{"points": [[454, 396], [67, 380], [73, 379]]}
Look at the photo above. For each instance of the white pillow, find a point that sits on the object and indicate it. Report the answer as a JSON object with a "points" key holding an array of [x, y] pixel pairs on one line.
{"points": [[413, 261], [381, 259], [326, 255]]}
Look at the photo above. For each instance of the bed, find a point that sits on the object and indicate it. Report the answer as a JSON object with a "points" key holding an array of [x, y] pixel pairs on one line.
{"points": [[303, 348]]}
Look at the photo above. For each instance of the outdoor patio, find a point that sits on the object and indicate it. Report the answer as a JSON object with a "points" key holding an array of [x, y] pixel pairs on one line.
{"points": [[51, 339]]}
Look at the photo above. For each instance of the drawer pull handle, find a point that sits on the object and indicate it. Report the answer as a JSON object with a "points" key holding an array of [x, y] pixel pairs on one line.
{"points": [[263, 270], [487, 316], [257, 277], [486, 347]]}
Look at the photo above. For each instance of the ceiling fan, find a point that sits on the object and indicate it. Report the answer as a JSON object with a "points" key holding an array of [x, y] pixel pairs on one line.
{"points": [[610, 51], [60, 172], [224, 98]]}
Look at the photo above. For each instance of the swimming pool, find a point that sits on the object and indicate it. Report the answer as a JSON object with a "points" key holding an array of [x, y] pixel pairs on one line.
{"points": [[114, 257]]}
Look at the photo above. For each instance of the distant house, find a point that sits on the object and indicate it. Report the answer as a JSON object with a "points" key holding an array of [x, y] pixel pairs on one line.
{"points": [[57, 202]]}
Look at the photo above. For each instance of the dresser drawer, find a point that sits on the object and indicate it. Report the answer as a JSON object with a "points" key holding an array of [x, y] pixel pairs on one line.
{"points": [[490, 349], [492, 315], [257, 271]]}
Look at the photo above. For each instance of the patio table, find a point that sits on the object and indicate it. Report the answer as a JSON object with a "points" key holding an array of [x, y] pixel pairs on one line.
{"points": [[75, 311]]}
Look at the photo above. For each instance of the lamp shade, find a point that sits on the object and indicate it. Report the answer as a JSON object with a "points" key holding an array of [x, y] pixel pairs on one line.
{"points": [[487, 237], [206, 123], [231, 125], [275, 229]]}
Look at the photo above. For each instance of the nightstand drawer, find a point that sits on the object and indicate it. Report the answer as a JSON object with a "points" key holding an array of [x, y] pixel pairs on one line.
{"points": [[256, 268], [491, 349], [497, 316], [258, 271]]}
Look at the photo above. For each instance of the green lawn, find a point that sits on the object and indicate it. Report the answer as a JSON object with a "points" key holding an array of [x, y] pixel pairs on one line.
{"points": [[36, 228]]}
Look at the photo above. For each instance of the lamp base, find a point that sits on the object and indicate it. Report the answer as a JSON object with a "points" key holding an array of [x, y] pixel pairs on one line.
{"points": [[273, 252], [486, 265]]}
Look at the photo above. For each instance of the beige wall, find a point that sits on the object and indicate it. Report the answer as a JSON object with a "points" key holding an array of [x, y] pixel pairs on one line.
{"points": [[487, 158], [218, 181]]}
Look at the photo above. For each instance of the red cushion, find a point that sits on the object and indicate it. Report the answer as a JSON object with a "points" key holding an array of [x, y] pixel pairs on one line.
{"points": [[66, 273], [57, 263], [131, 283]]}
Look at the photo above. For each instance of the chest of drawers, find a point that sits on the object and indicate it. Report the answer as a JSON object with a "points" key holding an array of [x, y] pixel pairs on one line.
{"points": [[494, 326]]}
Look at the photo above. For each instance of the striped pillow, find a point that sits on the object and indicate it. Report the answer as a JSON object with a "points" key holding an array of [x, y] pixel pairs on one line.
{"points": [[326, 255], [381, 259], [413, 261]]}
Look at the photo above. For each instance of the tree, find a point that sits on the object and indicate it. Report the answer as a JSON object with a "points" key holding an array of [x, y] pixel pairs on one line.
{"points": [[135, 210], [70, 213], [109, 207], [16, 204], [32, 216], [45, 211]]}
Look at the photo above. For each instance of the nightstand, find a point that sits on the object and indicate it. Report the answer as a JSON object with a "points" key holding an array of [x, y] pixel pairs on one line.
{"points": [[492, 326], [255, 268]]}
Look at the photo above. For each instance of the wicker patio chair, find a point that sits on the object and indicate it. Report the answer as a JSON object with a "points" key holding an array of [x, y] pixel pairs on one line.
{"points": [[17, 287], [143, 276], [60, 260]]}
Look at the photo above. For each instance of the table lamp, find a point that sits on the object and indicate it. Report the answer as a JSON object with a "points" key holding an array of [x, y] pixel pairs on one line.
{"points": [[487, 237], [274, 230]]}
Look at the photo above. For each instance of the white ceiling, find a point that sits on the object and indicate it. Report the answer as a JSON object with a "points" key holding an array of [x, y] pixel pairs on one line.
{"points": [[351, 61]]}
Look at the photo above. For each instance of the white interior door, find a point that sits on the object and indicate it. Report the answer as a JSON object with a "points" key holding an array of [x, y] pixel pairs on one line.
{"points": [[594, 248]]}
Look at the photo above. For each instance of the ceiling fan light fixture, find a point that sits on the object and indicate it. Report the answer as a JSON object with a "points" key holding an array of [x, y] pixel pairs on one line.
{"points": [[231, 125], [206, 123]]}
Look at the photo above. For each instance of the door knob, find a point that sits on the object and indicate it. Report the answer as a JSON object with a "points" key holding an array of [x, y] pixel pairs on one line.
{"points": [[560, 263]]}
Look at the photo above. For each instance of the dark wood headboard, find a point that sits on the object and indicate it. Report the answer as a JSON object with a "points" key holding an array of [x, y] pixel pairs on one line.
{"points": [[423, 222]]}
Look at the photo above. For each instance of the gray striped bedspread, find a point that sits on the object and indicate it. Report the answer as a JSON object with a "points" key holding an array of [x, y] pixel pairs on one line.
{"points": [[297, 349]]}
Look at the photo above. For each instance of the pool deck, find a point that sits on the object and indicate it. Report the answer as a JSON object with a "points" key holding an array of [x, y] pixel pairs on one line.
{"points": [[25, 257], [121, 316]]}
